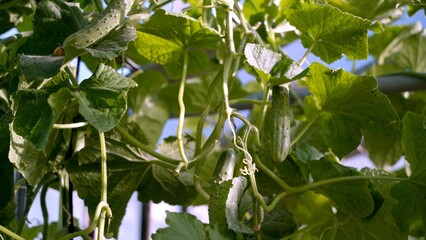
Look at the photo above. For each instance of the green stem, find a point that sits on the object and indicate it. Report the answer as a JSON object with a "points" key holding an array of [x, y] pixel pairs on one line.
{"points": [[104, 184], [44, 207], [70, 125], [246, 100], [135, 142], [182, 110], [265, 99], [305, 56], [104, 174], [205, 113], [343, 179], [271, 174], [303, 130], [98, 5], [30, 195], [71, 76], [247, 27], [102, 208], [10, 233]]}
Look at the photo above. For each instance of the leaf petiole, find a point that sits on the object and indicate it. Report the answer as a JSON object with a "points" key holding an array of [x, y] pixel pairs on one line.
{"points": [[10, 233], [182, 110]]}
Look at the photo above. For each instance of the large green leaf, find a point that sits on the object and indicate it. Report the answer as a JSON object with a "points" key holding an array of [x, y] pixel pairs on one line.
{"points": [[37, 68], [125, 171], [165, 38], [339, 110], [33, 117], [381, 45], [385, 11], [353, 197], [146, 108], [159, 184], [181, 226], [102, 97], [328, 31], [410, 212], [54, 20]]}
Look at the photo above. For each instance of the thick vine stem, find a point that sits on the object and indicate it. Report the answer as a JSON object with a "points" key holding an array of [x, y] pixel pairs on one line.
{"points": [[10, 233], [101, 209], [182, 110]]}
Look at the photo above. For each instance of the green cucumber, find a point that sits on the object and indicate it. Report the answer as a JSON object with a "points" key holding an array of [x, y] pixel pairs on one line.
{"points": [[110, 18], [281, 129], [222, 183]]}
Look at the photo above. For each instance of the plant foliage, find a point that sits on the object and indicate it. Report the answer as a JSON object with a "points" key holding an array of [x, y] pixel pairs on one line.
{"points": [[102, 134]]}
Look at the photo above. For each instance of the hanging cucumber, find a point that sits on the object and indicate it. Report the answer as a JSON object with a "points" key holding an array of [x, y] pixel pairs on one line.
{"points": [[280, 122], [222, 182], [110, 18]]}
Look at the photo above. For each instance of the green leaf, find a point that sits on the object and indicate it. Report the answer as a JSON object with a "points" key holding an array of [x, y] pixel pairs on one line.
{"points": [[328, 31], [114, 43], [216, 234], [125, 171], [165, 38], [410, 212], [159, 184], [415, 6], [33, 117], [381, 45], [408, 53], [269, 64], [239, 185], [29, 161], [147, 109], [352, 198], [54, 20], [384, 11], [102, 97], [339, 111], [37, 68], [384, 150], [278, 223], [181, 226]]}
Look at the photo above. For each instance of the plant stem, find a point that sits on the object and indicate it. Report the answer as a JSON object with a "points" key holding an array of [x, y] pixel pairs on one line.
{"points": [[10, 233], [70, 125], [303, 130], [71, 76], [271, 174], [305, 56], [43, 205], [104, 184], [343, 179], [182, 110], [246, 100], [135, 142], [264, 106]]}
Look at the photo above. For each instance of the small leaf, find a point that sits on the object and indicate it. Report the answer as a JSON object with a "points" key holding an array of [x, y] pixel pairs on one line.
{"points": [[337, 107], [269, 64], [102, 97], [329, 31], [181, 226], [114, 43]]}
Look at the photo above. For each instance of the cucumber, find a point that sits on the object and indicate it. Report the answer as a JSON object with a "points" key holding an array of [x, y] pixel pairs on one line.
{"points": [[222, 183], [281, 129], [110, 18]]}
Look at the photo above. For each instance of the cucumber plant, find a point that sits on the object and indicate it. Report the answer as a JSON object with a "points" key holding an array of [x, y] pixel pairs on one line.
{"points": [[268, 156]]}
